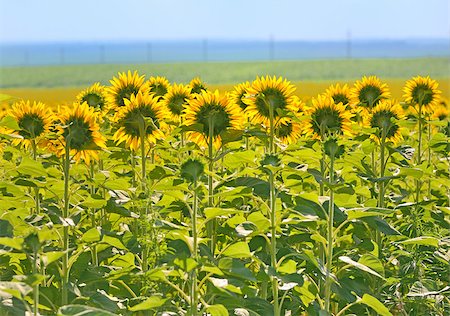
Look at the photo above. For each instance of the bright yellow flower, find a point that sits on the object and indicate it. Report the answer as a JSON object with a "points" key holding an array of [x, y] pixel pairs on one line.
{"points": [[141, 113], [158, 86], [367, 93], [385, 116], [215, 111], [239, 92], [197, 86], [34, 121], [94, 96], [287, 130], [122, 88], [176, 100], [339, 94], [327, 118], [423, 92], [79, 130], [269, 92]]}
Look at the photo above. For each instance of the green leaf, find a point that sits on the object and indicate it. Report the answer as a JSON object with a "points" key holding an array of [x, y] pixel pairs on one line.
{"points": [[413, 172], [359, 266], [151, 302], [94, 203], [217, 310], [52, 256], [31, 167], [82, 310], [112, 241], [15, 243], [376, 305], [211, 212], [9, 122], [91, 235], [238, 250], [423, 240], [354, 214]]}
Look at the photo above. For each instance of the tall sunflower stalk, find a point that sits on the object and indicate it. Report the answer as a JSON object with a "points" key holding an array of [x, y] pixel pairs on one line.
{"points": [[139, 123], [33, 121], [327, 122], [423, 95], [192, 170], [214, 114], [79, 139]]}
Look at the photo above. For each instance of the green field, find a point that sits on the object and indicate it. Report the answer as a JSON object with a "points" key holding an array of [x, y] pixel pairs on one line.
{"points": [[226, 72]]}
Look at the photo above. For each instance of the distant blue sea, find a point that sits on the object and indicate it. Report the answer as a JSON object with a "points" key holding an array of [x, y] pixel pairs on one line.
{"points": [[214, 50]]}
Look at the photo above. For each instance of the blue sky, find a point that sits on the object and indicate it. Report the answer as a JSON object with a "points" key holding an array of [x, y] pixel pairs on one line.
{"points": [[116, 20]]}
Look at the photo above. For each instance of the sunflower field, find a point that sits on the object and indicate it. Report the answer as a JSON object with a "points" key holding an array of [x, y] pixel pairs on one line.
{"points": [[147, 197]]}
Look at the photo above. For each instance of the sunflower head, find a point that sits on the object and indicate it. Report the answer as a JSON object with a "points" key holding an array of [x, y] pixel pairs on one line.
{"points": [[327, 118], [368, 92], [339, 94], [287, 130], [197, 86], [268, 94], [383, 118], [176, 100], [239, 92], [422, 92], [158, 86], [441, 113], [141, 117], [214, 113], [79, 132], [94, 96], [122, 87], [34, 121]]}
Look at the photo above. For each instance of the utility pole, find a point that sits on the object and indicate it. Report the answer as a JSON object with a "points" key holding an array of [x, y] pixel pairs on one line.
{"points": [[149, 53], [102, 54], [271, 47], [205, 50], [349, 44]]}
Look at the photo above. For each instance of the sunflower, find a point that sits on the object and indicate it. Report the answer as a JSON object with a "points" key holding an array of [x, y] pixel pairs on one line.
{"points": [[327, 118], [79, 130], [215, 111], [384, 116], [158, 86], [123, 87], [339, 94], [269, 92], [368, 92], [176, 100], [197, 85], [34, 121], [441, 113], [422, 91], [239, 92], [287, 130], [94, 96], [141, 111]]}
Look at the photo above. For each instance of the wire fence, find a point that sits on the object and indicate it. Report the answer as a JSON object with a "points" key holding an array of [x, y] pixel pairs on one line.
{"points": [[213, 50]]}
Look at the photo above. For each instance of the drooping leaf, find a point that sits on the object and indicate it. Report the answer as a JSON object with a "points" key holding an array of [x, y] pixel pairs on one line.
{"points": [[375, 304]]}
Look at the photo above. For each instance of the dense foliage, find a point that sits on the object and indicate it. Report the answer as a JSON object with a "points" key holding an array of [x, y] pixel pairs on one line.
{"points": [[146, 198]]}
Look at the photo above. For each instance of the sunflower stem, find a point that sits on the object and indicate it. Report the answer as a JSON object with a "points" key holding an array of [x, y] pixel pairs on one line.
{"points": [[273, 243], [212, 224], [382, 183], [92, 214], [271, 127], [142, 128], [329, 258], [418, 182], [37, 201], [65, 258], [194, 288], [36, 286]]}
